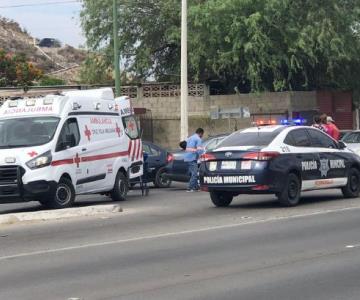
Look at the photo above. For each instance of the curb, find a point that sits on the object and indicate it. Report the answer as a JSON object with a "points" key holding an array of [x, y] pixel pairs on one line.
{"points": [[47, 215]]}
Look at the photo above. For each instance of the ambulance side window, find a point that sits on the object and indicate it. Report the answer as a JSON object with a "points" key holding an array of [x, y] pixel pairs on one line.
{"points": [[131, 127], [69, 136]]}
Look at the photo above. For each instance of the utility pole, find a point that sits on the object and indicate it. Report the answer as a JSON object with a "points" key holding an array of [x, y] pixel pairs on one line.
{"points": [[116, 49], [184, 73]]}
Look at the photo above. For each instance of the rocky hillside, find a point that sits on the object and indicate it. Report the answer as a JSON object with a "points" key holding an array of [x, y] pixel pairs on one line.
{"points": [[16, 40]]}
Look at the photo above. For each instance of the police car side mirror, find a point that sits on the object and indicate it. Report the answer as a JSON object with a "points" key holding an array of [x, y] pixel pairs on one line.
{"points": [[341, 145]]}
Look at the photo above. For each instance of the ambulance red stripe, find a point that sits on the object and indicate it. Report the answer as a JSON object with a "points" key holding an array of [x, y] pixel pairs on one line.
{"points": [[139, 151], [67, 161], [130, 147], [103, 156], [135, 150], [70, 161]]}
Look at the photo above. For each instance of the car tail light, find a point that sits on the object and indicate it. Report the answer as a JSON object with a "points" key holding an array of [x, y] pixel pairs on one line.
{"points": [[204, 189], [169, 158], [207, 157], [261, 188], [268, 155]]}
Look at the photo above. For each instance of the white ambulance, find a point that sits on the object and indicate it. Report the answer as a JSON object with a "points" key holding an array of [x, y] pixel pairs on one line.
{"points": [[79, 142]]}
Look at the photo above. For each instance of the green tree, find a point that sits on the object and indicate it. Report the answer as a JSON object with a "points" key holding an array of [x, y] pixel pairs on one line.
{"points": [[96, 70], [253, 44], [15, 70]]}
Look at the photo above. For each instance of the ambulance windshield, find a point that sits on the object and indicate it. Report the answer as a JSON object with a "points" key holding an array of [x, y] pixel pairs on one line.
{"points": [[27, 132]]}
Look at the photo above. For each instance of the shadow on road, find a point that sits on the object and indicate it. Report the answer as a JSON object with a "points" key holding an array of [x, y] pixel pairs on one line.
{"points": [[271, 203], [81, 201]]}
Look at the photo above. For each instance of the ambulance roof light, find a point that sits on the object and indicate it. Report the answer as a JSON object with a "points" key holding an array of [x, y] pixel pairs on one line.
{"points": [[48, 101], [97, 106], [76, 106], [30, 102], [13, 103]]}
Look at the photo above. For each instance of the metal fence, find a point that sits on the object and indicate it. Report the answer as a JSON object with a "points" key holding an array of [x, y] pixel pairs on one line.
{"points": [[155, 90]]}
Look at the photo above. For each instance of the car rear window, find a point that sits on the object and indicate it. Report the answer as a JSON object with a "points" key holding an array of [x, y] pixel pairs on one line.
{"points": [[352, 138], [249, 139]]}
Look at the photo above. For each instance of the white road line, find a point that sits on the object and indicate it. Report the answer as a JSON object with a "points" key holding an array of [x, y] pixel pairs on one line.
{"points": [[171, 234], [352, 246]]}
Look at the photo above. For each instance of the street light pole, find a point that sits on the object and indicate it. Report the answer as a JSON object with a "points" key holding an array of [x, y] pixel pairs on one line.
{"points": [[184, 73], [116, 49]]}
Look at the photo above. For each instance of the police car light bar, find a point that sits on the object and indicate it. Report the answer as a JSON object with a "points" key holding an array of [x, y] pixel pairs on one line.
{"points": [[293, 122], [264, 123]]}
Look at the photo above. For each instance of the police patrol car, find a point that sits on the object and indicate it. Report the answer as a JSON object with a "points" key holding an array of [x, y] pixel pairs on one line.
{"points": [[281, 160], [54, 147]]}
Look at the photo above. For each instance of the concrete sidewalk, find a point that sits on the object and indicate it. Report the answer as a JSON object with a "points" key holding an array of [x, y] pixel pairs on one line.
{"points": [[72, 212]]}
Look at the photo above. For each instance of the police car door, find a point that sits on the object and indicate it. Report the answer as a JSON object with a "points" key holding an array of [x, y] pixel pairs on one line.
{"points": [[304, 156], [332, 170]]}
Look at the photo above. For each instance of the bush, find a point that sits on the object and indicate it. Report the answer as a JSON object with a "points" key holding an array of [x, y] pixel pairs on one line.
{"points": [[50, 81], [15, 70]]}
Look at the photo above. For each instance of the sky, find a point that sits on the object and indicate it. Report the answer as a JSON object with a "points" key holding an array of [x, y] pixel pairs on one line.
{"points": [[59, 21]]}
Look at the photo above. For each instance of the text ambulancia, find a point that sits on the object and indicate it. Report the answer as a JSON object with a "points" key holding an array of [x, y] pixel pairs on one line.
{"points": [[79, 142]]}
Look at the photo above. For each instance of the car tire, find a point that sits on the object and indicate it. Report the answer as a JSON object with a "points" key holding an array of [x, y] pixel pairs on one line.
{"points": [[160, 180], [221, 199], [62, 197], [121, 187], [290, 195], [352, 188]]}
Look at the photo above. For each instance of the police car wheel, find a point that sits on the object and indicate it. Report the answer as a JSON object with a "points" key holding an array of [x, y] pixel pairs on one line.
{"points": [[121, 188], [352, 188], [160, 179], [62, 197], [221, 199], [290, 195]]}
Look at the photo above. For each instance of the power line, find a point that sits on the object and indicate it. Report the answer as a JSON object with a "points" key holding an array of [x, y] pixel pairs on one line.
{"points": [[40, 4]]}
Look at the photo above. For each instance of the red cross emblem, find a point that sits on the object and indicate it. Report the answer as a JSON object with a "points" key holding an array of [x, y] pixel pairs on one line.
{"points": [[131, 125], [87, 132], [118, 130], [32, 154], [77, 160]]}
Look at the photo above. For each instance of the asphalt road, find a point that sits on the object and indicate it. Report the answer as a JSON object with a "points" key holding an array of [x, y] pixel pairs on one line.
{"points": [[175, 245]]}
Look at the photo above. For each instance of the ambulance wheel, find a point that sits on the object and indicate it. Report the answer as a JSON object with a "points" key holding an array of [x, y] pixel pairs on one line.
{"points": [[62, 197], [352, 188], [221, 199], [290, 195], [121, 188], [160, 179]]}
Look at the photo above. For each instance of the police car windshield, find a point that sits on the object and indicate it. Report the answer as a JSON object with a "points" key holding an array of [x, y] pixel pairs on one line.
{"points": [[27, 132], [249, 139]]}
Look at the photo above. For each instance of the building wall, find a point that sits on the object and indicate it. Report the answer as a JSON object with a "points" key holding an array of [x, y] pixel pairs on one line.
{"points": [[166, 112], [338, 105]]}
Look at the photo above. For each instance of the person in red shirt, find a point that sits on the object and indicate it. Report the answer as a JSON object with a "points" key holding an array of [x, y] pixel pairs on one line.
{"points": [[335, 132], [325, 125]]}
